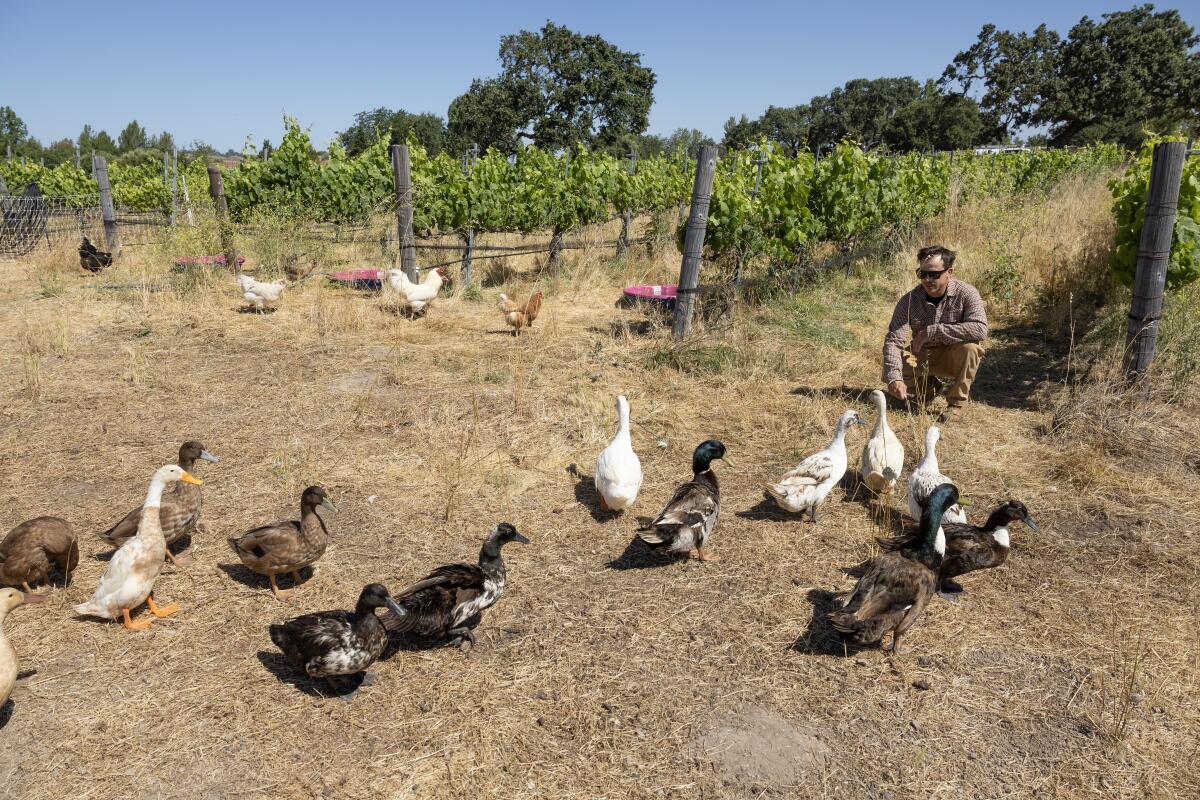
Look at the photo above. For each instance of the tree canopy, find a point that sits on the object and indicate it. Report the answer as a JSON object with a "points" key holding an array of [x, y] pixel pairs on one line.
{"points": [[1106, 80], [12, 130], [556, 88], [134, 137], [369, 126]]}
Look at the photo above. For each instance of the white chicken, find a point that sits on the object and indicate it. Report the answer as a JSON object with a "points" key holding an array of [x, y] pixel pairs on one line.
{"points": [[260, 293], [418, 295]]}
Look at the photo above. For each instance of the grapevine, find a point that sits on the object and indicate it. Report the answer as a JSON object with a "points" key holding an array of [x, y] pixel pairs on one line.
{"points": [[1129, 208]]}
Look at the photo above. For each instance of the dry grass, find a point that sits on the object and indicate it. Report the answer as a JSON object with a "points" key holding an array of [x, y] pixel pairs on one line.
{"points": [[1072, 672]]}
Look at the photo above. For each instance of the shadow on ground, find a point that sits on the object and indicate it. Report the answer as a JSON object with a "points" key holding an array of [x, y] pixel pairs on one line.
{"points": [[820, 638], [286, 672], [253, 580], [587, 495], [638, 555]]}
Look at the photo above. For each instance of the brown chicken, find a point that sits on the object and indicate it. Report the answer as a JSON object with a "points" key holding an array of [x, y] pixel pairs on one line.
{"points": [[521, 315]]}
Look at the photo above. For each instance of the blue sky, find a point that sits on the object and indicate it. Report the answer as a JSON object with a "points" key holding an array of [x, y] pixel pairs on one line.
{"points": [[219, 71]]}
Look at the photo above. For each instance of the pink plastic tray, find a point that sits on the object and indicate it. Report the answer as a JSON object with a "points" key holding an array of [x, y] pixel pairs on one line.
{"points": [[360, 278], [659, 294]]}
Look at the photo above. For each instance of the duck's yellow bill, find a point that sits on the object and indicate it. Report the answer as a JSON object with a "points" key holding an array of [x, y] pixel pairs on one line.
{"points": [[188, 477]]}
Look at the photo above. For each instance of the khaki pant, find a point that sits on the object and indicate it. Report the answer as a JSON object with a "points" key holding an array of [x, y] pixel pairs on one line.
{"points": [[958, 362]]}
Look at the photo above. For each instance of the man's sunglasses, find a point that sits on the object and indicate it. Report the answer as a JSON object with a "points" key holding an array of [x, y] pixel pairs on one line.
{"points": [[931, 275]]}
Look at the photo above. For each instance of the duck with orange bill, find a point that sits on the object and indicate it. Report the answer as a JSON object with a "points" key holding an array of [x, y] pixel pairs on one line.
{"points": [[129, 579], [10, 599]]}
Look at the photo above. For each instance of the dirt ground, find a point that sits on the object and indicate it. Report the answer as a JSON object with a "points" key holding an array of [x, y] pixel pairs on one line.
{"points": [[605, 671]]}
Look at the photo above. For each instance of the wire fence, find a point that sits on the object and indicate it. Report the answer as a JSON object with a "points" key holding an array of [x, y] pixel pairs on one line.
{"points": [[59, 223]]}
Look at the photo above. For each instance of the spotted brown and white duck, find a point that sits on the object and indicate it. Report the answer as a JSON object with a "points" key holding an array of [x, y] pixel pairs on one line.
{"points": [[329, 644]]}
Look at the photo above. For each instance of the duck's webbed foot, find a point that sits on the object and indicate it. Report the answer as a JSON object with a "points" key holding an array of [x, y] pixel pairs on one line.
{"points": [[950, 591], [463, 638]]}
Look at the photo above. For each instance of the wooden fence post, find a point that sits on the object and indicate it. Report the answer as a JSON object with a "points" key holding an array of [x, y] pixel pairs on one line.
{"points": [[469, 236], [627, 217], [216, 188], [1154, 251], [107, 211], [469, 239], [187, 199], [554, 260], [693, 241], [174, 184], [402, 178]]}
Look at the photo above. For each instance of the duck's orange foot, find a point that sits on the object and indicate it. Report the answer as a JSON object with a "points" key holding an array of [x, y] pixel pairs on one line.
{"points": [[280, 594], [129, 624], [161, 611]]}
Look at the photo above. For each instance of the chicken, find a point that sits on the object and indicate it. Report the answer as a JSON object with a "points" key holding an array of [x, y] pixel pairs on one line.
{"points": [[519, 315], [91, 259], [260, 293], [418, 295]]}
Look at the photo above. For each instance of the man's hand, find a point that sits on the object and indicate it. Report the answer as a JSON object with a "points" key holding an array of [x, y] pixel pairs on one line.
{"points": [[898, 390], [919, 340]]}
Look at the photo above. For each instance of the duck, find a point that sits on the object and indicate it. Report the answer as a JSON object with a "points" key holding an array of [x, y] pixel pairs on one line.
{"points": [[896, 586], [287, 546], [448, 603], [328, 644], [926, 477], [10, 599], [688, 518], [806, 486], [970, 548], [128, 581], [180, 512], [882, 455], [618, 470], [32, 549]]}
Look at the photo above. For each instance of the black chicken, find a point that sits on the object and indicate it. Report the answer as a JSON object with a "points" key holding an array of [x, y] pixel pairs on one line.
{"points": [[91, 259]]}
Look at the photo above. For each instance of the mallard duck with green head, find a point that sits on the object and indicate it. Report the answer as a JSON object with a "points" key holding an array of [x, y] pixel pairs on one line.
{"points": [[896, 586], [688, 519]]}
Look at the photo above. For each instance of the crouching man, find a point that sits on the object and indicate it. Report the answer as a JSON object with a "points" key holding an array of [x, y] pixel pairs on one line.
{"points": [[948, 325]]}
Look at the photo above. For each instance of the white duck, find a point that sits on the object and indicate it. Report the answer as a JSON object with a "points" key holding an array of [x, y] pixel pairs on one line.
{"points": [[927, 477], [882, 455], [260, 293], [418, 295], [10, 599], [129, 579], [618, 470], [805, 487]]}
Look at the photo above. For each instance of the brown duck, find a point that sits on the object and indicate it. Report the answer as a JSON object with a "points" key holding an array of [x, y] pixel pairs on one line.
{"points": [[893, 592], [34, 548], [287, 546], [970, 548], [180, 512]]}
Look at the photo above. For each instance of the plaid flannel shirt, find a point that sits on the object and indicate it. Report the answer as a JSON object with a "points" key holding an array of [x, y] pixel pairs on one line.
{"points": [[960, 317]]}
